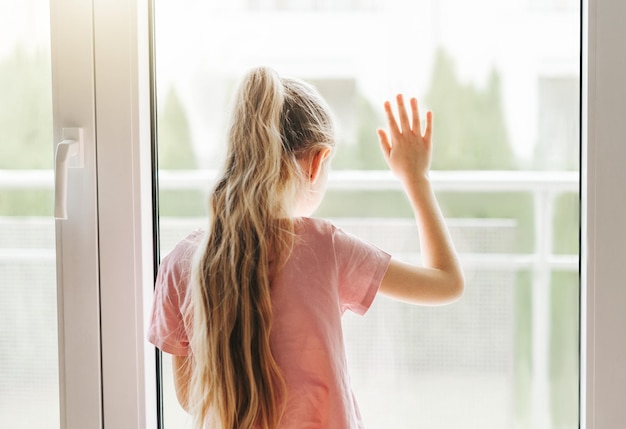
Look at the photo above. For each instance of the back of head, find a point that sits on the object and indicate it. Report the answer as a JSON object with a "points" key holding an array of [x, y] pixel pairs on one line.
{"points": [[275, 122]]}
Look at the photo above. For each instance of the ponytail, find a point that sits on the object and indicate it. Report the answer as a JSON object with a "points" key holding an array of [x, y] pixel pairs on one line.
{"points": [[236, 382]]}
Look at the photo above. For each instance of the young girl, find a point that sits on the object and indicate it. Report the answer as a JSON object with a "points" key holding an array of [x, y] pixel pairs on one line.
{"points": [[251, 309]]}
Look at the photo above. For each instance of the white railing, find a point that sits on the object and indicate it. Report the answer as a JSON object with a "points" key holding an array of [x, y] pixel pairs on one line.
{"points": [[543, 186], [476, 181]]}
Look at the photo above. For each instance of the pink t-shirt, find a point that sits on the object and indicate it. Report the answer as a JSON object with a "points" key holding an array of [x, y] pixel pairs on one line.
{"points": [[328, 272]]}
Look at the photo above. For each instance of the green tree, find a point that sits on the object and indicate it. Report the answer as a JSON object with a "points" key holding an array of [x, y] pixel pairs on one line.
{"points": [[26, 127], [25, 111], [364, 154], [175, 149], [470, 134], [175, 152], [558, 124], [470, 131], [367, 150]]}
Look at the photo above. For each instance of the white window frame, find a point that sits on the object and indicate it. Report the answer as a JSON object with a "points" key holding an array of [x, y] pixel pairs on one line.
{"points": [[77, 237], [603, 238], [101, 83], [100, 51]]}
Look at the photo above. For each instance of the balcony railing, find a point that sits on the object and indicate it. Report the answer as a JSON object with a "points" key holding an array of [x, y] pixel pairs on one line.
{"points": [[544, 187]]}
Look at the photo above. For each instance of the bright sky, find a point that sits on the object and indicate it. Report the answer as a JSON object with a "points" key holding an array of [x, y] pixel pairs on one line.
{"points": [[388, 50], [26, 22]]}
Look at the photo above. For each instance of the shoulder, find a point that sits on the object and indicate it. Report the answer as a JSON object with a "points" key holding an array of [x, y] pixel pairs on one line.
{"points": [[188, 244], [310, 228], [339, 240], [320, 234], [178, 261], [311, 225]]}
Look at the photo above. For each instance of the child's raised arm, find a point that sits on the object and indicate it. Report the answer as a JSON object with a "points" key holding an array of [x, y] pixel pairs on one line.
{"points": [[408, 153]]}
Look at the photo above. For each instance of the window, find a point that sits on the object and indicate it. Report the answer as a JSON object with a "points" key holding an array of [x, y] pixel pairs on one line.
{"points": [[28, 309], [114, 326], [507, 182]]}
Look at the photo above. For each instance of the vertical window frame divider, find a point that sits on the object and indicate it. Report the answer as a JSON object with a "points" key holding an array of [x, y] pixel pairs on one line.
{"points": [[77, 257], [125, 195], [603, 203]]}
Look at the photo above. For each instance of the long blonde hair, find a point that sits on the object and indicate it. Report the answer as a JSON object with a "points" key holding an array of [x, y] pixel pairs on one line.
{"points": [[236, 382]]}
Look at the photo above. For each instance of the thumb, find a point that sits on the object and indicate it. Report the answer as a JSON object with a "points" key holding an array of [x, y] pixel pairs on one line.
{"points": [[385, 144]]}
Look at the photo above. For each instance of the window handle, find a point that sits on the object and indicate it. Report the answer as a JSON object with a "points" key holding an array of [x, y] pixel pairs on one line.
{"points": [[68, 154]]}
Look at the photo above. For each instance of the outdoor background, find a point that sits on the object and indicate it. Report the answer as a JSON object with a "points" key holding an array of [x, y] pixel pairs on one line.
{"points": [[502, 78]]}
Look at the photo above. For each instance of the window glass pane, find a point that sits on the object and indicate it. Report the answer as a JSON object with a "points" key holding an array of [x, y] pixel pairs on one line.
{"points": [[29, 389], [504, 89]]}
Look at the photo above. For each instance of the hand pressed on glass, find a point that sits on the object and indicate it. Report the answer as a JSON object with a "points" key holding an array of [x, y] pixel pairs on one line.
{"points": [[408, 153]]}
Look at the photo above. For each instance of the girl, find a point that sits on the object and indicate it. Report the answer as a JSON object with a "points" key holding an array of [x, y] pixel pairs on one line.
{"points": [[251, 310]]}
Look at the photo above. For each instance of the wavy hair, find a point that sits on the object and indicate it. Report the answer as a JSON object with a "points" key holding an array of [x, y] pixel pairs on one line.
{"points": [[236, 382]]}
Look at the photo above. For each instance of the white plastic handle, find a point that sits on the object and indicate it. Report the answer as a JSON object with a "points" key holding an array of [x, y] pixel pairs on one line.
{"points": [[68, 154]]}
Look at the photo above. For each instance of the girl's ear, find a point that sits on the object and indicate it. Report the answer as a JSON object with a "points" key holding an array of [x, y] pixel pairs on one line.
{"points": [[317, 163]]}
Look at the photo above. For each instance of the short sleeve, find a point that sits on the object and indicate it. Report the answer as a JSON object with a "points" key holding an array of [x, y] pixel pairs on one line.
{"points": [[361, 267], [167, 329]]}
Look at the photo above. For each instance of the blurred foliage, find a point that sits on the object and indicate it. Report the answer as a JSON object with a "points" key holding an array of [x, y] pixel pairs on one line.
{"points": [[26, 127], [470, 131], [486, 205], [368, 147], [175, 152], [174, 144], [558, 124], [37, 202], [364, 204], [364, 153], [26, 111], [495, 205]]}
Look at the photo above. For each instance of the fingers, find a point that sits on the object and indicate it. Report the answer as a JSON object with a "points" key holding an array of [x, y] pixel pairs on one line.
{"points": [[391, 120], [385, 144], [404, 118], [428, 133], [405, 125], [416, 126]]}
